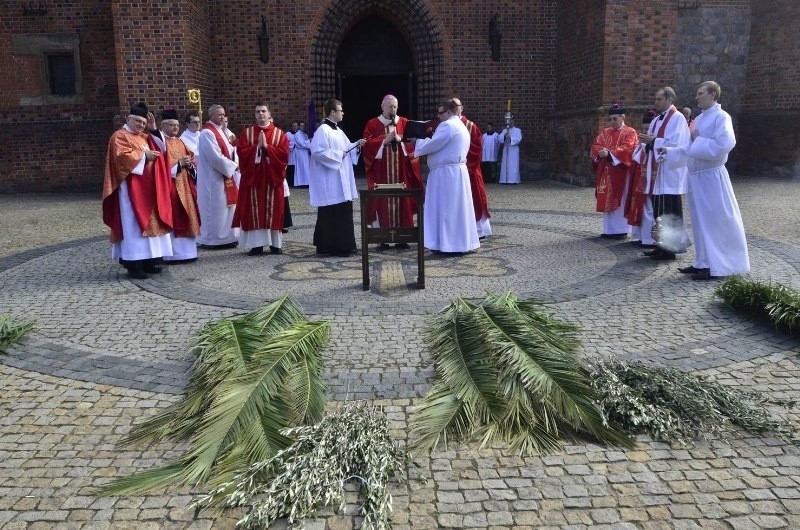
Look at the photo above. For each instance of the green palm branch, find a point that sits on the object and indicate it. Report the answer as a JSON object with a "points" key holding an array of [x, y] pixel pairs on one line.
{"points": [[507, 372], [223, 349], [266, 379], [11, 330]]}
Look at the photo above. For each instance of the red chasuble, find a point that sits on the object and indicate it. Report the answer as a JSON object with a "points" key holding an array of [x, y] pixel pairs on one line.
{"points": [[185, 215], [393, 167], [479, 200], [149, 192], [260, 205], [611, 179]]}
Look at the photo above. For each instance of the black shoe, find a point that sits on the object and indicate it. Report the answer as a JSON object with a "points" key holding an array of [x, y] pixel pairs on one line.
{"points": [[136, 270], [614, 236], [383, 246], [691, 269], [647, 245], [704, 276], [255, 251], [275, 250], [402, 246], [149, 268], [665, 256], [653, 253]]}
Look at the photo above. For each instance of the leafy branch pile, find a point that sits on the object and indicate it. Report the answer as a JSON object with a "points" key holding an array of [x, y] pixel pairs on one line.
{"points": [[506, 371], [766, 301], [675, 406], [11, 330], [253, 378], [352, 444]]}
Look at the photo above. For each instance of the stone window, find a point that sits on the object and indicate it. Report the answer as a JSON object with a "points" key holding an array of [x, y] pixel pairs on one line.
{"points": [[61, 74], [58, 68]]}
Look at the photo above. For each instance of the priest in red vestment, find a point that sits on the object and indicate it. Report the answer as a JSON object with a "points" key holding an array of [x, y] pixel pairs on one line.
{"points": [[474, 156], [182, 164], [388, 160], [136, 196], [612, 157], [263, 156]]}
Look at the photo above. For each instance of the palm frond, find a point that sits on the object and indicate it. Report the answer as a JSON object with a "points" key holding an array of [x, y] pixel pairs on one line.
{"points": [[11, 330], [145, 481], [254, 377], [507, 371], [560, 388], [441, 418], [224, 349], [462, 357], [280, 314], [240, 402]]}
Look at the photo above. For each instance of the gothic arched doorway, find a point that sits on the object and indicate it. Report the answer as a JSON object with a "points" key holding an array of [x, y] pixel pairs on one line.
{"points": [[336, 45], [374, 59]]}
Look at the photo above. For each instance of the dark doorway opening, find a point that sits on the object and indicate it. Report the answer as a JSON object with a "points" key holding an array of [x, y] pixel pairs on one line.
{"points": [[373, 60]]}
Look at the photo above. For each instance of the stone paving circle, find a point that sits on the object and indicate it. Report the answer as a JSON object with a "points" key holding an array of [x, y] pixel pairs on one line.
{"points": [[109, 352]]}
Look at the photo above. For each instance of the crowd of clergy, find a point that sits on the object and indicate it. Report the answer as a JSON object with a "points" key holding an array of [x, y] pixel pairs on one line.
{"points": [[167, 193], [643, 177]]}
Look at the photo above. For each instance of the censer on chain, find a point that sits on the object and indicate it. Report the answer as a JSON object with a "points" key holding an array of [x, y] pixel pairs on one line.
{"points": [[657, 230]]}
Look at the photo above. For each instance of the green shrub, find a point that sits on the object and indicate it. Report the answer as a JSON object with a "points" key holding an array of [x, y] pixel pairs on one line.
{"points": [[764, 301]]}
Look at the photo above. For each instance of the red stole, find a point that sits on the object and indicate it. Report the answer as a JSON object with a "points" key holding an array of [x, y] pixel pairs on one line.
{"points": [[231, 193], [651, 155]]}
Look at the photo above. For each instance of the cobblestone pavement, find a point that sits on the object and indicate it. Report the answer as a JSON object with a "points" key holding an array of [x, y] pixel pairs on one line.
{"points": [[109, 351]]}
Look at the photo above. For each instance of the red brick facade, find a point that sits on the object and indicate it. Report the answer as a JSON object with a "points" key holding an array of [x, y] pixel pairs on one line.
{"points": [[561, 63], [768, 134]]}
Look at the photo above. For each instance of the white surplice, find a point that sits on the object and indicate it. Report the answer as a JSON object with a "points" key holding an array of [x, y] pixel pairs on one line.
{"points": [[449, 215], [331, 178], [509, 166], [720, 242], [215, 214], [302, 158]]}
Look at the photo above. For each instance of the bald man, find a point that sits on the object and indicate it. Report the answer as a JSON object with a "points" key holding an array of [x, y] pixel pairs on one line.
{"points": [[388, 159]]}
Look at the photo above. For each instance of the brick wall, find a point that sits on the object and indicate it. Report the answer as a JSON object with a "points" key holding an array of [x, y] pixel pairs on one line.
{"points": [[768, 135], [450, 40], [608, 52], [563, 62], [162, 51], [60, 146]]}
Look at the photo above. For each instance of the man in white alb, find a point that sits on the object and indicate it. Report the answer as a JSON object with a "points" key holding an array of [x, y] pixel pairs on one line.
{"points": [[449, 215], [719, 240], [216, 189]]}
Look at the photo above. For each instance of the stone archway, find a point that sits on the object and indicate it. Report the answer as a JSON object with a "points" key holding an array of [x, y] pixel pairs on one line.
{"points": [[412, 17]]}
